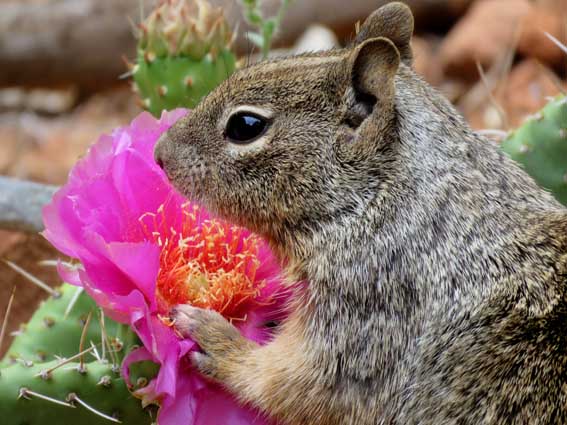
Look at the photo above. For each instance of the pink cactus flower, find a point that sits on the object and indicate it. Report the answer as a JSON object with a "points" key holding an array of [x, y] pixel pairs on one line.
{"points": [[143, 248]]}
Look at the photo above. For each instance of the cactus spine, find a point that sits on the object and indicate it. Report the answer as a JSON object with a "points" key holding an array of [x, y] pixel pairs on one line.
{"points": [[62, 393], [56, 328], [64, 367], [184, 52]]}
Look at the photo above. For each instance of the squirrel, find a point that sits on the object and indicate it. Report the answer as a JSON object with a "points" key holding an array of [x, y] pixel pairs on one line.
{"points": [[434, 267]]}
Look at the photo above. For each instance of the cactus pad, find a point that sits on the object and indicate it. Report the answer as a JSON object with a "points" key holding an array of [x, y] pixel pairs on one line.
{"points": [[170, 82], [67, 395], [540, 145], [56, 328], [184, 51]]}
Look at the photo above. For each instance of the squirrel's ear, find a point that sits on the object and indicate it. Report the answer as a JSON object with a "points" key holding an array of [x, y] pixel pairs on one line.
{"points": [[393, 21], [374, 64]]}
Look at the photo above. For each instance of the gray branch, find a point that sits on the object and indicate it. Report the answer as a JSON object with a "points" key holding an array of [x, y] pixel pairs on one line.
{"points": [[21, 203]]}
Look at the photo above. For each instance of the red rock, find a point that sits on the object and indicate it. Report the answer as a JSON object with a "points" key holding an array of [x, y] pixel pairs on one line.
{"points": [[425, 60], [484, 34], [544, 17], [526, 90], [520, 94]]}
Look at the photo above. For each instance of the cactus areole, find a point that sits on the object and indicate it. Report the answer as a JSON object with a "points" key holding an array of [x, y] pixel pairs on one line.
{"points": [[540, 146], [184, 52]]}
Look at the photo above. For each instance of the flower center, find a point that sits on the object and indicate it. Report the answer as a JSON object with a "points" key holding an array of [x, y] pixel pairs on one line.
{"points": [[207, 263]]}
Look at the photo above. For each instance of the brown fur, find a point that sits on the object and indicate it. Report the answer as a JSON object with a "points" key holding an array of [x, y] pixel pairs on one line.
{"points": [[436, 269]]}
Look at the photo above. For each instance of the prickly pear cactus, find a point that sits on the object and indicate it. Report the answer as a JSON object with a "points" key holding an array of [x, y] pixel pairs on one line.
{"points": [[46, 378], [56, 328], [540, 145], [184, 52], [67, 393]]}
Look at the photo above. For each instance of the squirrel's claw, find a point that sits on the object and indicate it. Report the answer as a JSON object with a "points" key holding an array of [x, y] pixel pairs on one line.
{"points": [[220, 342], [205, 364]]}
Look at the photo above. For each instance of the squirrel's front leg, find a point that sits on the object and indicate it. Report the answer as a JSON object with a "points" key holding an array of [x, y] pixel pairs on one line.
{"points": [[277, 377], [221, 343]]}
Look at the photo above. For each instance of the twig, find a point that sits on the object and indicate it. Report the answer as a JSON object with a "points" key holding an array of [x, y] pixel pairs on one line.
{"points": [[21, 203], [554, 78], [33, 279], [103, 339], [6, 316], [493, 133], [56, 263], [555, 41], [499, 109], [95, 353]]}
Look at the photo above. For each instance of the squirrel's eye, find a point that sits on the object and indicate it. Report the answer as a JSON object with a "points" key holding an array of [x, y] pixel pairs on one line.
{"points": [[245, 127]]}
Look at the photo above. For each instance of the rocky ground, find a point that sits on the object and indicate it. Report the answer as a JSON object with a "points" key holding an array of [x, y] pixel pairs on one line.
{"points": [[492, 59]]}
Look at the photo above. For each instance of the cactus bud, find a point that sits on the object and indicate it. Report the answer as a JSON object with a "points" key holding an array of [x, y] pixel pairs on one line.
{"points": [[184, 52]]}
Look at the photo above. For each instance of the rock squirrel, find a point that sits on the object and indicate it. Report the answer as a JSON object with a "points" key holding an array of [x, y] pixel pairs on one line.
{"points": [[435, 268]]}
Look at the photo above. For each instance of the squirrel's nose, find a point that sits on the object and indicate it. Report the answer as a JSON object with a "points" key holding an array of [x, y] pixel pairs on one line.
{"points": [[159, 162]]}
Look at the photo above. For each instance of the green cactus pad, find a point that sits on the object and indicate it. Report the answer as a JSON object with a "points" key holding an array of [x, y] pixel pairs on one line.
{"points": [[184, 52], [52, 333], [540, 145], [96, 384], [179, 81]]}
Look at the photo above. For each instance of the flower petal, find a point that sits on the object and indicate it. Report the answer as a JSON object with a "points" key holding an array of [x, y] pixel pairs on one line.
{"points": [[112, 216]]}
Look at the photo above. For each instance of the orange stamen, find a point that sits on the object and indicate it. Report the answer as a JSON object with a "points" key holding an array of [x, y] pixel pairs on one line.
{"points": [[208, 264]]}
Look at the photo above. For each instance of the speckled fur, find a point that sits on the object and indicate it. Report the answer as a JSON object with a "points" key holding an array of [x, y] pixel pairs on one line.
{"points": [[436, 268]]}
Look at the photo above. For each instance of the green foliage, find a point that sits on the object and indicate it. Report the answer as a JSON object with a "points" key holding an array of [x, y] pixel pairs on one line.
{"points": [[23, 389], [540, 145], [265, 27]]}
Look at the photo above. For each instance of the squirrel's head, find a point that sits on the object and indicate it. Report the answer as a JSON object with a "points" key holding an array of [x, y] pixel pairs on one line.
{"points": [[298, 141]]}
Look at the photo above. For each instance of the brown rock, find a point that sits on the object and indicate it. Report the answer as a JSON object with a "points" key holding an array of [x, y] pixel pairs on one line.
{"points": [[425, 60], [557, 6], [527, 90], [485, 33], [544, 17], [8, 149], [44, 41]]}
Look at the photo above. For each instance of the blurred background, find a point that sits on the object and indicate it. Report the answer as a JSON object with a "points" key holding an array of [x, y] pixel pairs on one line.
{"points": [[61, 63]]}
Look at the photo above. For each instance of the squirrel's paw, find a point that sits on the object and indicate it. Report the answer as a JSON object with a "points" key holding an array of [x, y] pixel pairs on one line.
{"points": [[221, 343]]}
